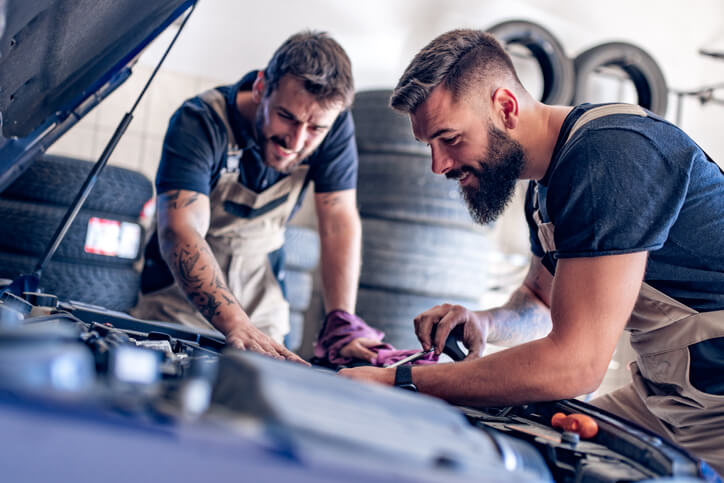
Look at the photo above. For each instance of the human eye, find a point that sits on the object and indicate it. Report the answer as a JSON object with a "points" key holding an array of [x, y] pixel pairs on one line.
{"points": [[451, 140]]}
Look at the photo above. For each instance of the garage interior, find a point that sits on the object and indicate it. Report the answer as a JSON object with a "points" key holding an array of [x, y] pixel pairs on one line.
{"points": [[224, 39], [380, 38]]}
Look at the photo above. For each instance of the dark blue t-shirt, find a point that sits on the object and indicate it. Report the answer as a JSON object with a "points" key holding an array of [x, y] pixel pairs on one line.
{"points": [[195, 151], [626, 183]]}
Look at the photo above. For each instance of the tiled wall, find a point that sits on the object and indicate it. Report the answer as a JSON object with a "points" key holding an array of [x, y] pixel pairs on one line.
{"points": [[140, 147]]}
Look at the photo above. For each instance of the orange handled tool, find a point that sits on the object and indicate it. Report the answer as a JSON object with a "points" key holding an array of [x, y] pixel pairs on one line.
{"points": [[581, 424]]}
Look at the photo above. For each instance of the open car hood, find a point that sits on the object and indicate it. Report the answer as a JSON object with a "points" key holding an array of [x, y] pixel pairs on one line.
{"points": [[60, 58]]}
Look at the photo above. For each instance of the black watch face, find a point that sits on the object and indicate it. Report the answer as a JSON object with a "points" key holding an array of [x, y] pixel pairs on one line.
{"points": [[409, 386]]}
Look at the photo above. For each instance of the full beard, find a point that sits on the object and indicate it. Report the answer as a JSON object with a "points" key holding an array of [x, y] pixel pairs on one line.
{"points": [[496, 176]]}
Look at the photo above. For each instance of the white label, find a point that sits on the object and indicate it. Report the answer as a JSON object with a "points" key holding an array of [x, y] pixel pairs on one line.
{"points": [[112, 238]]}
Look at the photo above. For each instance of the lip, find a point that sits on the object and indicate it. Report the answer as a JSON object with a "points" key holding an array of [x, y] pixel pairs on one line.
{"points": [[464, 178], [282, 153]]}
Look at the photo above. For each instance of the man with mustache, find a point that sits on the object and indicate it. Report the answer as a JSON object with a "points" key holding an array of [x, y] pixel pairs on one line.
{"points": [[626, 228], [235, 165]]}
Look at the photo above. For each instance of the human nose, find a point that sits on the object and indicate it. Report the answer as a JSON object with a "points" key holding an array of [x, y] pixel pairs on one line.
{"points": [[441, 162], [297, 138]]}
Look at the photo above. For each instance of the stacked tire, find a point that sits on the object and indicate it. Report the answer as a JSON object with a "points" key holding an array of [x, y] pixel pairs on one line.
{"points": [[301, 251], [420, 247], [584, 78], [95, 261]]}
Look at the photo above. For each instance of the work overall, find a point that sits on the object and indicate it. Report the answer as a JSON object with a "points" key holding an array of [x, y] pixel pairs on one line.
{"points": [[245, 227], [661, 396]]}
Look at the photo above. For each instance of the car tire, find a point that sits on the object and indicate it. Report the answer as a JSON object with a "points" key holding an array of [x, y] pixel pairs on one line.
{"points": [[424, 259], [57, 180], [298, 287], [556, 67], [28, 228], [301, 248], [381, 129], [637, 64], [293, 340], [402, 187], [115, 288]]}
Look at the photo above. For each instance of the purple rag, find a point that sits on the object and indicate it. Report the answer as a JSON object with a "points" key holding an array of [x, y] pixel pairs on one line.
{"points": [[341, 328]]}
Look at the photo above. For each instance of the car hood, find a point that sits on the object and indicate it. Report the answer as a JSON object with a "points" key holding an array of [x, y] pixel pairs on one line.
{"points": [[59, 58]]}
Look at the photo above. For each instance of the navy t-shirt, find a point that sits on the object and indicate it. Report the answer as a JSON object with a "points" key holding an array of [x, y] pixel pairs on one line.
{"points": [[626, 183], [195, 151]]}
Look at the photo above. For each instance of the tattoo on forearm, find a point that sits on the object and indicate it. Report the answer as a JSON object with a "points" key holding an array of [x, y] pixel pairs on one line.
{"points": [[175, 201], [206, 303], [330, 200], [203, 284], [520, 320]]}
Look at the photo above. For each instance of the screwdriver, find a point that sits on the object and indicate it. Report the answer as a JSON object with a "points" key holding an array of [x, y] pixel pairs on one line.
{"points": [[451, 349]]}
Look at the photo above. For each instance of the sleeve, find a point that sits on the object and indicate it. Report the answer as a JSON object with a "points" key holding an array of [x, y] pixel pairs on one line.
{"points": [[535, 244], [192, 147], [335, 163], [613, 192]]}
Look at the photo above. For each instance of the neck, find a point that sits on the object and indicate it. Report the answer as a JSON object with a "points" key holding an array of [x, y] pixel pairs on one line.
{"points": [[540, 139], [246, 106]]}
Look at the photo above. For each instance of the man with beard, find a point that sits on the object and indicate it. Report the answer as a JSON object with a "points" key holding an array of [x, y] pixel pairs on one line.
{"points": [[235, 164], [626, 227]]}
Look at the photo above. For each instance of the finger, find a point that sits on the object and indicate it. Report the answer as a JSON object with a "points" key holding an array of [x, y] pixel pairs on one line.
{"points": [[368, 342], [236, 343], [289, 355], [254, 346], [444, 327], [361, 352], [474, 343], [424, 323]]}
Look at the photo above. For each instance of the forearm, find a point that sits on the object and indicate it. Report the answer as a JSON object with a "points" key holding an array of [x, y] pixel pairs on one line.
{"points": [[523, 318], [341, 255], [196, 271], [540, 370]]}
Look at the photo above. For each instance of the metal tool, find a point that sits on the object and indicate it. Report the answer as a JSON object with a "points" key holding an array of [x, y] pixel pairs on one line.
{"points": [[451, 348], [410, 358]]}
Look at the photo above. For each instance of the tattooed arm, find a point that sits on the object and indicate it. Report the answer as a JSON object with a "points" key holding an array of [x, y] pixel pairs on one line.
{"points": [[183, 220]]}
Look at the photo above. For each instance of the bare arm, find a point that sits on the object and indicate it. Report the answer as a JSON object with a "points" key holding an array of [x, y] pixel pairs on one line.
{"points": [[340, 233], [183, 220], [591, 301], [526, 315]]}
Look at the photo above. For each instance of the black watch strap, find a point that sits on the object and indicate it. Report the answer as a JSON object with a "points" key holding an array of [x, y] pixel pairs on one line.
{"points": [[403, 377]]}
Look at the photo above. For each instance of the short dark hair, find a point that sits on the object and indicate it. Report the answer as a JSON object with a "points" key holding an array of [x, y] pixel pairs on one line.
{"points": [[456, 59], [318, 61]]}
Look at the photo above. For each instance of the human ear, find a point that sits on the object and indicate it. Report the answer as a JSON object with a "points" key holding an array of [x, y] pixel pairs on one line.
{"points": [[506, 107], [257, 89]]}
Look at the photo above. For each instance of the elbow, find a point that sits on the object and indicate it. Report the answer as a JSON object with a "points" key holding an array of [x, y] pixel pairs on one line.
{"points": [[584, 377]]}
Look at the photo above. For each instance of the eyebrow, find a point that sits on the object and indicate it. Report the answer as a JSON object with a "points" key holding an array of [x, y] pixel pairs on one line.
{"points": [[437, 133], [291, 114]]}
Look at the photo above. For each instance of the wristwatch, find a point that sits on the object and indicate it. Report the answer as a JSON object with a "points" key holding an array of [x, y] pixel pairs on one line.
{"points": [[403, 378]]}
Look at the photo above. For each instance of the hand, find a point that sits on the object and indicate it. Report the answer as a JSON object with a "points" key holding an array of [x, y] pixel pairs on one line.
{"points": [[380, 375], [474, 327], [359, 349], [248, 337]]}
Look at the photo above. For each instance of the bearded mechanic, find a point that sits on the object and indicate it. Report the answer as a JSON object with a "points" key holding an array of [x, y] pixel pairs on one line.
{"points": [[627, 231], [235, 165]]}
